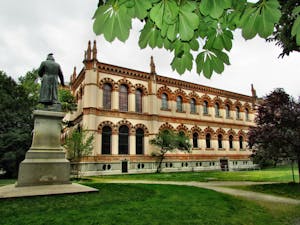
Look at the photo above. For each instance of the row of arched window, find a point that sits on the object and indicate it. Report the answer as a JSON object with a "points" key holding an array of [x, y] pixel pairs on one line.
{"points": [[123, 143], [193, 108], [193, 102]]}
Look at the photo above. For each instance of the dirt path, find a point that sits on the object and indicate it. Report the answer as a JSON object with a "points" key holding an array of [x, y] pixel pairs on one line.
{"points": [[223, 187]]}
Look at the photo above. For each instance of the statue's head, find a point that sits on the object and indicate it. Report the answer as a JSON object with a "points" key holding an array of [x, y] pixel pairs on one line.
{"points": [[50, 57]]}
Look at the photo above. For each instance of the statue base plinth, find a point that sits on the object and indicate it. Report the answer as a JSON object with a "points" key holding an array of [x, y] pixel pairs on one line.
{"points": [[45, 162]]}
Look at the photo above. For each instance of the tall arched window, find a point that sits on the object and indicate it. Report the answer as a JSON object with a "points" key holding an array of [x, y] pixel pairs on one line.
{"points": [[230, 142], [205, 107], [179, 103], [193, 105], [123, 98], [164, 101], [227, 108], [195, 140], [247, 114], [207, 139], [220, 140], [237, 111], [217, 110], [107, 96], [139, 141], [123, 139], [138, 101], [106, 140], [241, 142]]}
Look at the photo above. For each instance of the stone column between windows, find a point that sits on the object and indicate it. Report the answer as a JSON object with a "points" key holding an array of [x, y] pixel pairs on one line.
{"points": [[101, 98], [115, 100], [132, 147], [226, 144], [145, 104], [114, 144], [236, 145], [202, 143], [214, 144], [97, 146], [146, 145], [131, 102]]}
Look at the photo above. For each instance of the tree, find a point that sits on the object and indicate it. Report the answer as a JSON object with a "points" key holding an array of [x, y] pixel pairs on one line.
{"points": [[283, 34], [78, 144], [168, 141], [16, 124], [68, 101], [203, 27], [277, 132]]}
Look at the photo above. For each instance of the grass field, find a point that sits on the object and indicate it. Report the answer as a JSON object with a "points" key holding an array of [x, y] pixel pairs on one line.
{"points": [[160, 204], [278, 174], [144, 204]]}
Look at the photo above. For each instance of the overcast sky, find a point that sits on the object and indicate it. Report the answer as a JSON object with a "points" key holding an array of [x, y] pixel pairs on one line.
{"points": [[33, 28]]}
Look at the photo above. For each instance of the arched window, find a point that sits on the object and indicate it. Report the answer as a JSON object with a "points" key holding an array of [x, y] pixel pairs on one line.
{"points": [[230, 142], [138, 101], [123, 139], [237, 111], [164, 101], [179, 103], [106, 140], [123, 98], [227, 108], [107, 96], [241, 142], [193, 105], [220, 140], [205, 107], [139, 141], [217, 110], [195, 140], [207, 139], [247, 114]]}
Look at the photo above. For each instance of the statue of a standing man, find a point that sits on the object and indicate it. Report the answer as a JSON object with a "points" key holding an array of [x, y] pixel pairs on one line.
{"points": [[49, 71]]}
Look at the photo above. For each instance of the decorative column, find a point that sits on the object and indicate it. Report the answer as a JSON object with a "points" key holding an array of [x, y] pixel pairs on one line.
{"points": [[114, 144], [131, 102], [132, 147], [115, 100], [45, 162]]}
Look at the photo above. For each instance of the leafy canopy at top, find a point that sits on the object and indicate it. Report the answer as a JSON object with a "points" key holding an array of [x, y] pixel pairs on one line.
{"points": [[202, 27]]}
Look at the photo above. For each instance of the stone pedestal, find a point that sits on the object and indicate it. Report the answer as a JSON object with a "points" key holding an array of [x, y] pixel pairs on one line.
{"points": [[45, 162]]}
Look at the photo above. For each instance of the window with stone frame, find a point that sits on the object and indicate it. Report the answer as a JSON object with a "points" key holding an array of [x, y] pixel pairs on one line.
{"points": [[138, 101], [227, 109], [179, 104], [220, 141], [193, 105], [237, 112], [241, 139], [139, 141], [205, 107], [123, 98], [107, 90], [247, 114], [123, 140], [217, 110], [195, 140], [164, 101], [106, 140], [207, 140], [230, 142]]}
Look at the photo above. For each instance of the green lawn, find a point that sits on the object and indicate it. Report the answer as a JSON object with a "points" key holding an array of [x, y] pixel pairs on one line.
{"points": [[278, 174], [144, 204]]}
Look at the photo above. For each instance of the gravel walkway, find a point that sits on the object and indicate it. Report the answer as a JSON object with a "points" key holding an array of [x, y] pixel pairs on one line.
{"points": [[223, 187]]}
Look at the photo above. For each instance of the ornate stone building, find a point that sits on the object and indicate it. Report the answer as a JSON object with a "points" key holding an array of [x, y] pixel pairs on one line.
{"points": [[125, 108]]}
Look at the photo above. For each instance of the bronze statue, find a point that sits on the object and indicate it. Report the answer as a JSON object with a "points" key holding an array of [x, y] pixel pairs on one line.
{"points": [[49, 71]]}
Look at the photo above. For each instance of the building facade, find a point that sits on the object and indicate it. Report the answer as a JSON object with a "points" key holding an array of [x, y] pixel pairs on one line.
{"points": [[125, 108]]}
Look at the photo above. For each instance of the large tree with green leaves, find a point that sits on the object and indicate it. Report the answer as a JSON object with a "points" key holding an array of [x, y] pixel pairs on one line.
{"points": [[168, 141], [203, 27], [16, 123], [277, 131]]}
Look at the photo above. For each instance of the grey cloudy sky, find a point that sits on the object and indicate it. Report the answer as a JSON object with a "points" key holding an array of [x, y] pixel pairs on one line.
{"points": [[33, 28]]}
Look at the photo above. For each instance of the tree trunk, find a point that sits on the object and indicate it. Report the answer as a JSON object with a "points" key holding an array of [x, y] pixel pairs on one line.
{"points": [[292, 165], [158, 170]]}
